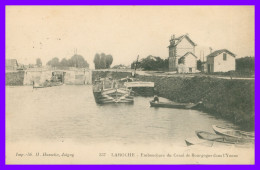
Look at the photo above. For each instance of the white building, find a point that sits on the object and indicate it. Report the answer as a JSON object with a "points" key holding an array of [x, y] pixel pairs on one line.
{"points": [[221, 61], [187, 63], [182, 54]]}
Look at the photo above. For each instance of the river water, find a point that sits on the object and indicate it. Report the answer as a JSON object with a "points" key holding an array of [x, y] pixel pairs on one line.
{"points": [[70, 113]]}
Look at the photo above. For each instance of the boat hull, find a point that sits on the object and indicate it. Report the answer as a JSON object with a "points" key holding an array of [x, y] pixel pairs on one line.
{"points": [[197, 141], [219, 138], [47, 85], [220, 130], [113, 96], [172, 105], [208, 143]]}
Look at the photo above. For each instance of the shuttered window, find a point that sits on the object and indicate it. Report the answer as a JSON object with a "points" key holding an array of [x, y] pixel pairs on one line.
{"points": [[224, 56]]}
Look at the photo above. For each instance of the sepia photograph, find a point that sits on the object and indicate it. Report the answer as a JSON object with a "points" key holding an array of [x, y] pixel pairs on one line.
{"points": [[143, 85]]}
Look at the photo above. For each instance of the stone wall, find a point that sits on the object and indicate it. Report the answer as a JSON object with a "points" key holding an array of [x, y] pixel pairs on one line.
{"points": [[14, 78], [71, 77]]}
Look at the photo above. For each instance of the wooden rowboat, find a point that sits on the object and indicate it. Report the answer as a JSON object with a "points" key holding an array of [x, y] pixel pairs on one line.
{"points": [[197, 141], [173, 105], [225, 131], [36, 86], [208, 143], [219, 138]]}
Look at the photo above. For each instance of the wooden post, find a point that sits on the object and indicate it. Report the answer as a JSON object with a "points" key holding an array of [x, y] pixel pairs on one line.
{"points": [[136, 65]]}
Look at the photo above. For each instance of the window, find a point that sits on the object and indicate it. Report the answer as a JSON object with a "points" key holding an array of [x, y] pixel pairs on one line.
{"points": [[224, 56], [190, 69]]}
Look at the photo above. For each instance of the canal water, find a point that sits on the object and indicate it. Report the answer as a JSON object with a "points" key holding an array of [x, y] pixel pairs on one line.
{"points": [[70, 113]]}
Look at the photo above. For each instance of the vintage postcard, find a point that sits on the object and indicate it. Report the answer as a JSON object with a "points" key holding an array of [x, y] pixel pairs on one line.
{"points": [[130, 85]]}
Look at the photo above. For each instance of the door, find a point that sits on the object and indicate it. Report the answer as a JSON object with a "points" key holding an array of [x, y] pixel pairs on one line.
{"points": [[208, 68]]}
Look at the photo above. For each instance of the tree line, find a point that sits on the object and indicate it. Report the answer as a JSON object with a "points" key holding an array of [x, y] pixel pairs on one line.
{"points": [[155, 63], [103, 61], [151, 63], [76, 60], [245, 64]]}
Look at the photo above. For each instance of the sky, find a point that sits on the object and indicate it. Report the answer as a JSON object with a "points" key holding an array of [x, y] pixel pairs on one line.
{"points": [[124, 31]]}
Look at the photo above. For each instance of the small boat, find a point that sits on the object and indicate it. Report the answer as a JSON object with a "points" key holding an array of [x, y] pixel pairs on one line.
{"points": [[219, 138], [225, 131], [111, 91], [173, 105], [197, 141], [46, 84], [37, 87], [208, 143]]}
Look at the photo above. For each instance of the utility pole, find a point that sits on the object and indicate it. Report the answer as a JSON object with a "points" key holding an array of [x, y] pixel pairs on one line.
{"points": [[203, 56], [136, 64]]}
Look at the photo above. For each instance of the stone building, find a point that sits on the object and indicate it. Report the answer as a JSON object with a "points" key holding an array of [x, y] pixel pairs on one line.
{"points": [[182, 56]]}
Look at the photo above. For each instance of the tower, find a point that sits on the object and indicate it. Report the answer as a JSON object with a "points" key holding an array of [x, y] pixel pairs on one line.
{"points": [[173, 62]]}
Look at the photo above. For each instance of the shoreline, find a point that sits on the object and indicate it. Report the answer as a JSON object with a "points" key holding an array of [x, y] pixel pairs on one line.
{"points": [[228, 99]]}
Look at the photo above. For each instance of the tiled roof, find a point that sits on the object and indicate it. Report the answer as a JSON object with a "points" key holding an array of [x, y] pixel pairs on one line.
{"points": [[181, 60], [188, 54], [182, 37], [216, 53], [179, 39]]}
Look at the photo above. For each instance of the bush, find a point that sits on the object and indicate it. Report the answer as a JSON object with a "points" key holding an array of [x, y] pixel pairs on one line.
{"points": [[151, 63]]}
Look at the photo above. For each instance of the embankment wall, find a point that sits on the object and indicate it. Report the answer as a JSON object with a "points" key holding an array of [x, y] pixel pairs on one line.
{"points": [[231, 100], [14, 78], [71, 77]]}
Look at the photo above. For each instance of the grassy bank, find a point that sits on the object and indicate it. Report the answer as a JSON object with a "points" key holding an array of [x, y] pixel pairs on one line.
{"points": [[14, 78], [232, 100]]}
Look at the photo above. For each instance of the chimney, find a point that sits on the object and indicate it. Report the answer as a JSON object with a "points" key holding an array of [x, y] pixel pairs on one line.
{"points": [[210, 50], [172, 40]]}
